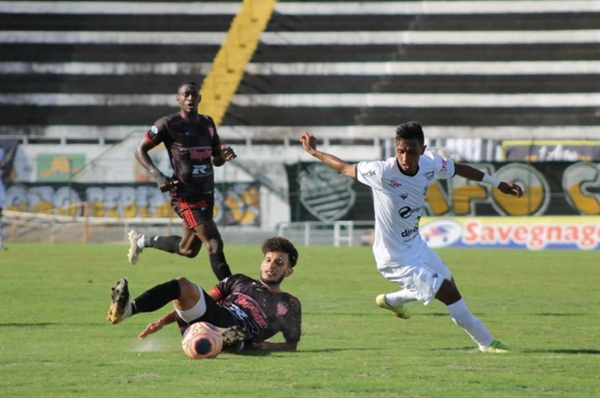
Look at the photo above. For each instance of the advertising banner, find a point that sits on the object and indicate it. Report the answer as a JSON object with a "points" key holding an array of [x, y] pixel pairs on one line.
{"points": [[533, 233], [318, 192], [235, 203], [551, 150]]}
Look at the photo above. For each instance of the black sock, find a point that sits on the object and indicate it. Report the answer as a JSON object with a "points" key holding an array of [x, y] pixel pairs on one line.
{"points": [[166, 243], [157, 297], [219, 265]]}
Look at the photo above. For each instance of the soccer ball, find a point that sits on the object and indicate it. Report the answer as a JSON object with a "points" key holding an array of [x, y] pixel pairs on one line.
{"points": [[202, 340]]}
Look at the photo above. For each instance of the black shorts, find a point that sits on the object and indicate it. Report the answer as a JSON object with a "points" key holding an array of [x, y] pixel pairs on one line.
{"points": [[194, 212]]}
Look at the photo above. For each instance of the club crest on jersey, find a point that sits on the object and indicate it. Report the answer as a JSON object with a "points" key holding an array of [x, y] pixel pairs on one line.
{"points": [[325, 193], [394, 183], [429, 175], [281, 309]]}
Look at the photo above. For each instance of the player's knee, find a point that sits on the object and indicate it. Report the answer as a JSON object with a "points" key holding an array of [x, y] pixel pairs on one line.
{"points": [[185, 284], [189, 252], [448, 293], [214, 246]]}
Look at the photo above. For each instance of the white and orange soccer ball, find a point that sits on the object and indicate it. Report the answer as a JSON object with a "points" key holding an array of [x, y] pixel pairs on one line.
{"points": [[202, 340]]}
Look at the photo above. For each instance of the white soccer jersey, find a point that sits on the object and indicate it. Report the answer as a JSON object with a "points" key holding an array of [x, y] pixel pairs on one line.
{"points": [[398, 200]]}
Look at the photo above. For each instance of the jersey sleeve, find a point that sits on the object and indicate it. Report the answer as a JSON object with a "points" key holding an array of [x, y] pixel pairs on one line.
{"points": [[444, 167], [216, 140], [226, 286], [292, 327], [370, 173], [158, 131]]}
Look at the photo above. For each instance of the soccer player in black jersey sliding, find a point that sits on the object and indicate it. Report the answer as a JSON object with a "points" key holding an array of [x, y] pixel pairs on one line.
{"points": [[194, 147], [247, 311]]}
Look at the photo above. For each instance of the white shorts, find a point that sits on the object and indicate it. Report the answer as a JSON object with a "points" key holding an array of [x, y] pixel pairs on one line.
{"points": [[421, 274], [196, 311]]}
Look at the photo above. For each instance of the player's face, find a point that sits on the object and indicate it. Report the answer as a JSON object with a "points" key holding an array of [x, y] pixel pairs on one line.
{"points": [[275, 267], [408, 153], [188, 98]]}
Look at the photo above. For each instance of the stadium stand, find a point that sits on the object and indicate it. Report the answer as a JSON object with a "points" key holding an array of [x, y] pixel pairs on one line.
{"points": [[349, 71]]}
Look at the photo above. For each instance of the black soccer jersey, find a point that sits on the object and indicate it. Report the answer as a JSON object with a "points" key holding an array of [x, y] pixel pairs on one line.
{"points": [[261, 312], [191, 146]]}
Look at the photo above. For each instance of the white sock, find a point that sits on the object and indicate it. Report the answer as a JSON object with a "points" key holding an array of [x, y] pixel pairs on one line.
{"points": [[400, 297], [473, 326], [140, 242]]}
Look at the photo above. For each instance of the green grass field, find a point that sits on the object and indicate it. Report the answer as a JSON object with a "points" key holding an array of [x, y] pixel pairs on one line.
{"points": [[56, 342]]}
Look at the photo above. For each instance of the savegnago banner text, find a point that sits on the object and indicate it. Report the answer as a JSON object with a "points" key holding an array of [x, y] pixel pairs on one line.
{"points": [[533, 233]]}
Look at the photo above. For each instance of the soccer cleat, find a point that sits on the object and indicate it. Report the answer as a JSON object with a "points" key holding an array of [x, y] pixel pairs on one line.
{"points": [[134, 249], [399, 311], [120, 308], [496, 348], [233, 339]]}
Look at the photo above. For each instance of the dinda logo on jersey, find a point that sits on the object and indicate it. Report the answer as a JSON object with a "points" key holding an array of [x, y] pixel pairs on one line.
{"points": [[325, 193]]}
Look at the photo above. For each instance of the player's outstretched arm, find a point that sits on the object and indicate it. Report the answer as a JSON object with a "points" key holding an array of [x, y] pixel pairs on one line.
{"points": [[309, 143], [154, 327], [471, 173]]}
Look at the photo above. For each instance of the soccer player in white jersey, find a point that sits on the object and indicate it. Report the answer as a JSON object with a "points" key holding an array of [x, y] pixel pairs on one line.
{"points": [[399, 186]]}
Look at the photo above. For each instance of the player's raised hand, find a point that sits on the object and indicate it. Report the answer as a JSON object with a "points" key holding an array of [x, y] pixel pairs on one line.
{"points": [[309, 142], [510, 188]]}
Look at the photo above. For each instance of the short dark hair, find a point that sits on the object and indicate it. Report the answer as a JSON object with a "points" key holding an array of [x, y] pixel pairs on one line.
{"points": [[410, 131], [191, 83], [279, 244]]}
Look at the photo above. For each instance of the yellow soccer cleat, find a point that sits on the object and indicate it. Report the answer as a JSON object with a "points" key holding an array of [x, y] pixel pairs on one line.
{"points": [[120, 306], [495, 348], [399, 311]]}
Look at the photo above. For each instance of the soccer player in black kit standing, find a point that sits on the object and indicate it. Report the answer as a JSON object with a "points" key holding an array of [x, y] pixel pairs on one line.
{"points": [[194, 147]]}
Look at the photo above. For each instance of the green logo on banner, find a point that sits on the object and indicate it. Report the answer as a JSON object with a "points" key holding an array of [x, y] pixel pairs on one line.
{"points": [[58, 167]]}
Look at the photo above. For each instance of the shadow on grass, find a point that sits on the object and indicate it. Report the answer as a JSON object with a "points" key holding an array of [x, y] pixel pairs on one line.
{"points": [[261, 353], [555, 314], [564, 351], [27, 325], [481, 314]]}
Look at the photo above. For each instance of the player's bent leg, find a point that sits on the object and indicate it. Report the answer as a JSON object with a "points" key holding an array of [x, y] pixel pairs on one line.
{"points": [[120, 307], [400, 311], [136, 245], [189, 246]]}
